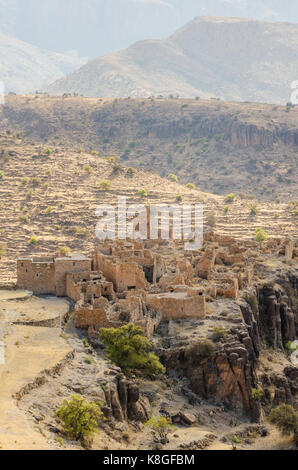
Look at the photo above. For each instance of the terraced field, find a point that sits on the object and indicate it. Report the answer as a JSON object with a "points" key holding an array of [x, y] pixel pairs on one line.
{"points": [[52, 194]]}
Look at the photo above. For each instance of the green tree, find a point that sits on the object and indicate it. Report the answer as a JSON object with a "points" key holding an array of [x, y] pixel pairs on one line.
{"points": [[131, 350], [80, 417]]}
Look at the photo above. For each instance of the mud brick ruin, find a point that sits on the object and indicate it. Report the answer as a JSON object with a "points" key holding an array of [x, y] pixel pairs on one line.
{"points": [[145, 283]]}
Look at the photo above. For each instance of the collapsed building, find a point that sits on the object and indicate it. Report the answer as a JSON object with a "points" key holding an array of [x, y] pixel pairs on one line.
{"points": [[145, 283]]}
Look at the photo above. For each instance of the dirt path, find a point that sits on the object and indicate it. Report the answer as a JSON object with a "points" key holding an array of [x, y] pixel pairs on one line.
{"points": [[29, 351]]}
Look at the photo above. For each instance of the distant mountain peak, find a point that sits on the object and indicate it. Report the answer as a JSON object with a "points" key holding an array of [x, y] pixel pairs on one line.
{"points": [[231, 58]]}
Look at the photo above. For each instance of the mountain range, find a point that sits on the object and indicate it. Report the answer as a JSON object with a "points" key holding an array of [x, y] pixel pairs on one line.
{"points": [[228, 58], [26, 68], [97, 27]]}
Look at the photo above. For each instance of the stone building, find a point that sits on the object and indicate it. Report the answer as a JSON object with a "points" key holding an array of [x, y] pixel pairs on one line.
{"points": [[48, 275]]}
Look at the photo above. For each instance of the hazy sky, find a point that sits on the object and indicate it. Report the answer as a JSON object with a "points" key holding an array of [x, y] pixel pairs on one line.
{"points": [[97, 27]]}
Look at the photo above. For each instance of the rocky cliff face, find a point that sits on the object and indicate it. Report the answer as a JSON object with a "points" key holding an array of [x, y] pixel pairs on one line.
{"points": [[230, 376], [123, 401]]}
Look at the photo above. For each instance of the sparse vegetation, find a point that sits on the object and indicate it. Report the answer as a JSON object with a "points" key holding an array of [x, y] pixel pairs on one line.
{"points": [[162, 426], [257, 394], [202, 350], [253, 208], [261, 235], [173, 178], [2, 250], [88, 169], [105, 185], [219, 334], [64, 251], [33, 240], [79, 417], [285, 417], [143, 193], [131, 350], [229, 198]]}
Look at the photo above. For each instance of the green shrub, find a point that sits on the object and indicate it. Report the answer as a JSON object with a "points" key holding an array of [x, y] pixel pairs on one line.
{"points": [[173, 178], [64, 251], [93, 152], [190, 186], [290, 347], [24, 218], [88, 169], [2, 250], [219, 333], [257, 394], [79, 417], [49, 210], [236, 440], [226, 209], [105, 185], [179, 198], [253, 208], [230, 198], [130, 349], [49, 151], [33, 240], [161, 425], [202, 350], [261, 235], [143, 193], [113, 159], [131, 171], [285, 417], [25, 180]]}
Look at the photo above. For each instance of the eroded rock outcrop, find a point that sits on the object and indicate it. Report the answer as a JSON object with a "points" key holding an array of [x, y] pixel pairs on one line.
{"points": [[124, 401]]}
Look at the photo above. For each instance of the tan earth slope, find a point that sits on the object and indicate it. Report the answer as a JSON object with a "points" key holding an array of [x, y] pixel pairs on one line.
{"points": [[221, 147]]}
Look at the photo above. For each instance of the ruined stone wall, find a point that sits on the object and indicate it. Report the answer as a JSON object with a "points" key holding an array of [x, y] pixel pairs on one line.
{"points": [[73, 289], [93, 315], [176, 306], [38, 277], [64, 266]]}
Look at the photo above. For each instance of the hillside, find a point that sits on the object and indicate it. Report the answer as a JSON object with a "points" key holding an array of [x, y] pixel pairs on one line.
{"points": [[53, 196], [231, 58], [221, 147], [25, 68]]}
